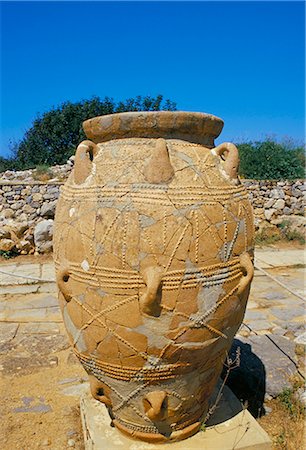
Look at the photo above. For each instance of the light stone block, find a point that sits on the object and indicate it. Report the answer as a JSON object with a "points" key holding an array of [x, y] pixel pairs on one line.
{"points": [[265, 258], [229, 427]]}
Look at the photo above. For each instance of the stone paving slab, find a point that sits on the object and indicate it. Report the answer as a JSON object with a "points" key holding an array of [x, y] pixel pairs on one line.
{"points": [[268, 292], [29, 273], [30, 308], [47, 328], [18, 273], [31, 315], [266, 258], [272, 308], [35, 301], [276, 355], [15, 365], [301, 339], [48, 271], [25, 352], [11, 273], [32, 405], [27, 288], [27, 278], [8, 331], [292, 277]]}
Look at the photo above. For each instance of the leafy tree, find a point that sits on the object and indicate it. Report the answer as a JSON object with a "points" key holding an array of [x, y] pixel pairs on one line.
{"points": [[5, 164], [54, 135], [270, 160]]}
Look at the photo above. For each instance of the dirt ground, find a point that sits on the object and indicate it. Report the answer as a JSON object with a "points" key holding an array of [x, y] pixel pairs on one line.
{"points": [[286, 430], [58, 425], [35, 413]]}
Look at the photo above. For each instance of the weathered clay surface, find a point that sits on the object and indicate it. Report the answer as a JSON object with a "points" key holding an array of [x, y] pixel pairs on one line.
{"points": [[20, 209], [153, 246]]}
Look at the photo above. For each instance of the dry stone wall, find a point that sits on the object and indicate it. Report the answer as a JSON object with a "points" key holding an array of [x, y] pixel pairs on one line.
{"points": [[27, 206], [271, 199]]}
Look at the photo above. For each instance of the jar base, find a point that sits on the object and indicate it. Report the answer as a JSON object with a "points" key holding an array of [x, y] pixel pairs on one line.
{"points": [[158, 438]]}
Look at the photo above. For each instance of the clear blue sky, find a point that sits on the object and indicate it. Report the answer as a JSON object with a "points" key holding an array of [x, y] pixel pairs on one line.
{"points": [[242, 61]]}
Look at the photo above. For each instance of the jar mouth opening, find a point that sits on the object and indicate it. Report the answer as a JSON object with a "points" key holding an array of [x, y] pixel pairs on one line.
{"points": [[194, 127]]}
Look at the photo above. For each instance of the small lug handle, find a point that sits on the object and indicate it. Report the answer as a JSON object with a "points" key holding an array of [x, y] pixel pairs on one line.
{"points": [[84, 156], [159, 169], [62, 278], [248, 272], [229, 154], [150, 300], [155, 405]]}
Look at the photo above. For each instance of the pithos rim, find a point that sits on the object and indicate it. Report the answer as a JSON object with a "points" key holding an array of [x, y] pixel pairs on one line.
{"points": [[194, 127]]}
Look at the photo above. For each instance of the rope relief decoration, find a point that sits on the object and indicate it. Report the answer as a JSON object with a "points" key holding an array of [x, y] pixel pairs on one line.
{"points": [[153, 247]]}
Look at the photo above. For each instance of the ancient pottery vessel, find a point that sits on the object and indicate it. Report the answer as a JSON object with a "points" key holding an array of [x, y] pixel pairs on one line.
{"points": [[153, 248]]}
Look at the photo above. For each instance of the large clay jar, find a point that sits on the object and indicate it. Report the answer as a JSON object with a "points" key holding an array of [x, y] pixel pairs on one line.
{"points": [[153, 248]]}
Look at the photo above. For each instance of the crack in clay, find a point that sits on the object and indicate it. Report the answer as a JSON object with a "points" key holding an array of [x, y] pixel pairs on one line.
{"points": [[155, 329], [181, 226]]}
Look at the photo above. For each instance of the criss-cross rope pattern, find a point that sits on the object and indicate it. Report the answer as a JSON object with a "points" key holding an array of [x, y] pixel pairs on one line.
{"points": [[184, 214], [169, 372]]}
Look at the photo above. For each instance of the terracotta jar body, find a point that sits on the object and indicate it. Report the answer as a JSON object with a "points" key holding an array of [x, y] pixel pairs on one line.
{"points": [[153, 248]]}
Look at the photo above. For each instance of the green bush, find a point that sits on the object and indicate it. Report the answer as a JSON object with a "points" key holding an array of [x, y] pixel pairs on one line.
{"points": [[291, 234], [270, 160], [7, 254], [53, 137], [5, 164], [288, 399], [42, 172]]}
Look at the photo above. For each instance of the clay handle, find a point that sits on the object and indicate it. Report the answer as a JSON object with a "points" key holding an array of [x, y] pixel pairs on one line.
{"points": [[155, 405], [150, 300], [84, 156], [62, 279], [248, 272], [159, 169], [97, 391], [229, 153]]}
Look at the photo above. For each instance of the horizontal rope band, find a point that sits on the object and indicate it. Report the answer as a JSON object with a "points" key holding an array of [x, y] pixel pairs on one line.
{"points": [[166, 199], [155, 189], [126, 373], [152, 429], [204, 276]]}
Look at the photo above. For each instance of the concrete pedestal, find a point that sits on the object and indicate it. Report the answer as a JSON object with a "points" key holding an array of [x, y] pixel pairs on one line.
{"points": [[229, 427]]}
